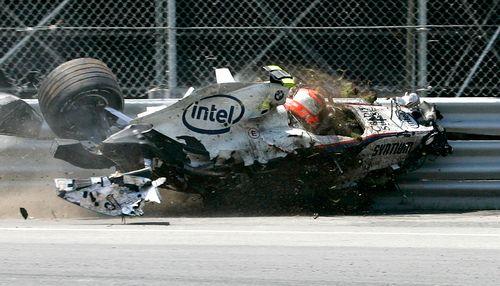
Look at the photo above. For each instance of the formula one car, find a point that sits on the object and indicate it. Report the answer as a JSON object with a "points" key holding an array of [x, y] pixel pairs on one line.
{"points": [[227, 137]]}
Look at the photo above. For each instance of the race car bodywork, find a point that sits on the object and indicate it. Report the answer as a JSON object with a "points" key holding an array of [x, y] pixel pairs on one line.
{"points": [[221, 135], [17, 118]]}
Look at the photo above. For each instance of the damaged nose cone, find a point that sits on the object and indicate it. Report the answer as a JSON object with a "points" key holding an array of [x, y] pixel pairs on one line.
{"points": [[118, 194]]}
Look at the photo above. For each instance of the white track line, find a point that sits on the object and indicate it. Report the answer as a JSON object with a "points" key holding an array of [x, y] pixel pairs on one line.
{"points": [[248, 231]]}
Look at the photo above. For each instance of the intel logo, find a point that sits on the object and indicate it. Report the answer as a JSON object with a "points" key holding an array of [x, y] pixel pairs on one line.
{"points": [[213, 114]]}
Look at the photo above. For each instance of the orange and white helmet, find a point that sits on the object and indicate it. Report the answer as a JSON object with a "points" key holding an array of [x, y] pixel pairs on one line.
{"points": [[306, 105]]}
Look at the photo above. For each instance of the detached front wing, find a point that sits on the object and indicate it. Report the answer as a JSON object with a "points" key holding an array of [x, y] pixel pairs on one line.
{"points": [[119, 194]]}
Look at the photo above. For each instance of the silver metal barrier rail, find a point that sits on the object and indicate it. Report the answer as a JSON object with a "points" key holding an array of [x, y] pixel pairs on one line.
{"points": [[471, 160], [471, 115], [469, 179]]}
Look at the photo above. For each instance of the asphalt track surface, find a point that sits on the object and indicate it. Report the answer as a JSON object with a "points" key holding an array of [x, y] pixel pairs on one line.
{"points": [[435, 249]]}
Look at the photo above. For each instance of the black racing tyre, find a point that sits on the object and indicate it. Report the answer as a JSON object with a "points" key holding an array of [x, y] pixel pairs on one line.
{"points": [[73, 96]]}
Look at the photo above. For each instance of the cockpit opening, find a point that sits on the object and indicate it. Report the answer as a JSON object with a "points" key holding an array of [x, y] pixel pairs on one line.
{"points": [[309, 109]]}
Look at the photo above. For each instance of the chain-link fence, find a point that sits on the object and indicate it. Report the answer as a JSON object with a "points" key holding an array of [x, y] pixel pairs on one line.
{"points": [[437, 47]]}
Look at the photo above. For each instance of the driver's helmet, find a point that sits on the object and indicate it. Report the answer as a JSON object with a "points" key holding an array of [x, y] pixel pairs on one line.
{"points": [[306, 104]]}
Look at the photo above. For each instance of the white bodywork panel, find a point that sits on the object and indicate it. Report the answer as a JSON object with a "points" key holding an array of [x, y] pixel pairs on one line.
{"points": [[232, 120], [396, 135], [101, 195], [223, 75]]}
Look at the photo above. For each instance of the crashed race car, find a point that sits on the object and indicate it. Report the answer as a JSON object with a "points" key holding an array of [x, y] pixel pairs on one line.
{"points": [[230, 137]]}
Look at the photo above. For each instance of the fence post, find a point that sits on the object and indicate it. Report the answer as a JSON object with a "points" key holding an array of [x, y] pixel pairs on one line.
{"points": [[172, 50], [159, 59], [410, 47], [422, 47]]}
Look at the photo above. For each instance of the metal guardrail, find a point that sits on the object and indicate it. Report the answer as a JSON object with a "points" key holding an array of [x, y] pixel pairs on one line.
{"points": [[469, 115], [473, 167], [471, 160], [467, 179]]}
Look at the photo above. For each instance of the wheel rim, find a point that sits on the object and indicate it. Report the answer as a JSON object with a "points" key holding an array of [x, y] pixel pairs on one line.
{"points": [[86, 118]]}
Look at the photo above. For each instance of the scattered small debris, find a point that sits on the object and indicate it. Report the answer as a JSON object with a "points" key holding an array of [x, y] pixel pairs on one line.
{"points": [[53, 214], [24, 212], [161, 223]]}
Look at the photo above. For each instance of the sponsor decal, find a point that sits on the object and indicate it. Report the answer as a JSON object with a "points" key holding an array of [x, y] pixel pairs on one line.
{"points": [[279, 95], [109, 206], [253, 133], [392, 148], [376, 121], [408, 119], [213, 114]]}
